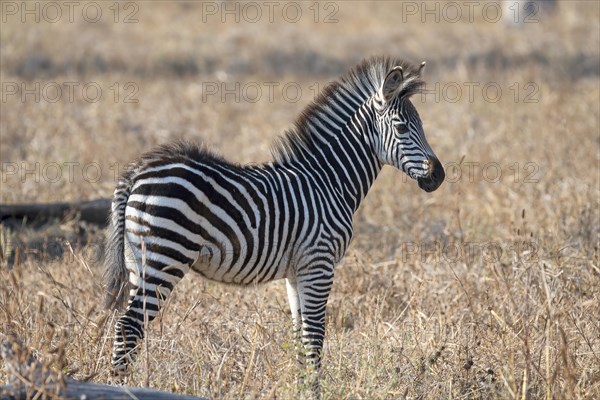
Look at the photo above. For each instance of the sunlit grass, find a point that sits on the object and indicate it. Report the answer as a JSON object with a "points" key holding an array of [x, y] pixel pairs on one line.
{"points": [[486, 288]]}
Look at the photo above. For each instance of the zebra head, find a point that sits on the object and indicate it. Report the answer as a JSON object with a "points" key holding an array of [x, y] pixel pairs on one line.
{"points": [[400, 138]]}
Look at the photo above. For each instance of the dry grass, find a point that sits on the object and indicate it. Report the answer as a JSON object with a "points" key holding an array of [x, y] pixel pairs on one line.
{"points": [[514, 314]]}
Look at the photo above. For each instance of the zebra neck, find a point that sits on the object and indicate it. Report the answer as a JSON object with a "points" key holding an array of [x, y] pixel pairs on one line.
{"points": [[360, 170], [344, 157]]}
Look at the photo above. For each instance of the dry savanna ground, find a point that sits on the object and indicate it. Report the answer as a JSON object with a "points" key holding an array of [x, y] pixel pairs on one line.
{"points": [[487, 288]]}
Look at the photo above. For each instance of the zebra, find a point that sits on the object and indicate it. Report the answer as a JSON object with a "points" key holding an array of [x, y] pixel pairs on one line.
{"points": [[182, 207]]}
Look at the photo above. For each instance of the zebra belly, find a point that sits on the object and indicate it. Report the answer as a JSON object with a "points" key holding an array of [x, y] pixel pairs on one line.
{"points": [[254, 268]]}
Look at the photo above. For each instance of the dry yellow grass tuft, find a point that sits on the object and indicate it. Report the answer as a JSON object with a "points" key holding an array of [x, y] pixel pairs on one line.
{"points": [[487, 288]]}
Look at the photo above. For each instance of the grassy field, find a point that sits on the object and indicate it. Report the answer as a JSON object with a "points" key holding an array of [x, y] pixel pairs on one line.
{"points": [[487, 288]]}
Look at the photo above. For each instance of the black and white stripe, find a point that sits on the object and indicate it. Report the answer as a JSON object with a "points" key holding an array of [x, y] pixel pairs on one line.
{"points": [[181, 207]]}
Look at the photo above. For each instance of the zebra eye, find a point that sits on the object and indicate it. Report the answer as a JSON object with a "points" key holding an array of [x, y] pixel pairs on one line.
{"points": [[401, 129]]}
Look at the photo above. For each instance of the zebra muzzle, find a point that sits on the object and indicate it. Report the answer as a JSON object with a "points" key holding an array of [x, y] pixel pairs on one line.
{"points": [[434, 179]]}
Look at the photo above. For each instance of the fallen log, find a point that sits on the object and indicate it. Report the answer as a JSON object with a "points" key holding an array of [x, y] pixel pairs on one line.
{"points": [[28, 378], [92, 211]]}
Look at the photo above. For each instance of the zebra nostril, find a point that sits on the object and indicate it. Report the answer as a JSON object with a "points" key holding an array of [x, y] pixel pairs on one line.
{"points": [[436, 171], [431, 167]]}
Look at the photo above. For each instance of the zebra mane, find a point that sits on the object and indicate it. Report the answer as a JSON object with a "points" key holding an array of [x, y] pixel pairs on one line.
{"points": [[356, 86], [177, 151]]}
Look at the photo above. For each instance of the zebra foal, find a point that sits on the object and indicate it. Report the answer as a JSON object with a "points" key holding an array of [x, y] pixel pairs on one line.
{"points": [[181, 207]]}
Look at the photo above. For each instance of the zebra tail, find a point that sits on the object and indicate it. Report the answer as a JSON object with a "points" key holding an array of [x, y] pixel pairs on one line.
{"points": [[116, 276]]}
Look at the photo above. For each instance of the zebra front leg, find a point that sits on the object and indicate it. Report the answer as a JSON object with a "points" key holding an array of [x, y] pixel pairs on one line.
{"points": [[313, 292], [144, 304], [294, 301]]}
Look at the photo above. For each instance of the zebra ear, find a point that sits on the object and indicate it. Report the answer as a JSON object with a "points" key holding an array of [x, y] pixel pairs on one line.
{"points": [[392, 83], [421, 69]]}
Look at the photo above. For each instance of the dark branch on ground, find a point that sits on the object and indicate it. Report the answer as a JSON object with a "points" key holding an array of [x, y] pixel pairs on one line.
{"points": [[28, 378], [92, 211]]}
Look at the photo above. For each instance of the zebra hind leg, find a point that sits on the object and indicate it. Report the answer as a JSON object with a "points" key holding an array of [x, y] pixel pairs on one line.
{"points": [[144, 304]]}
